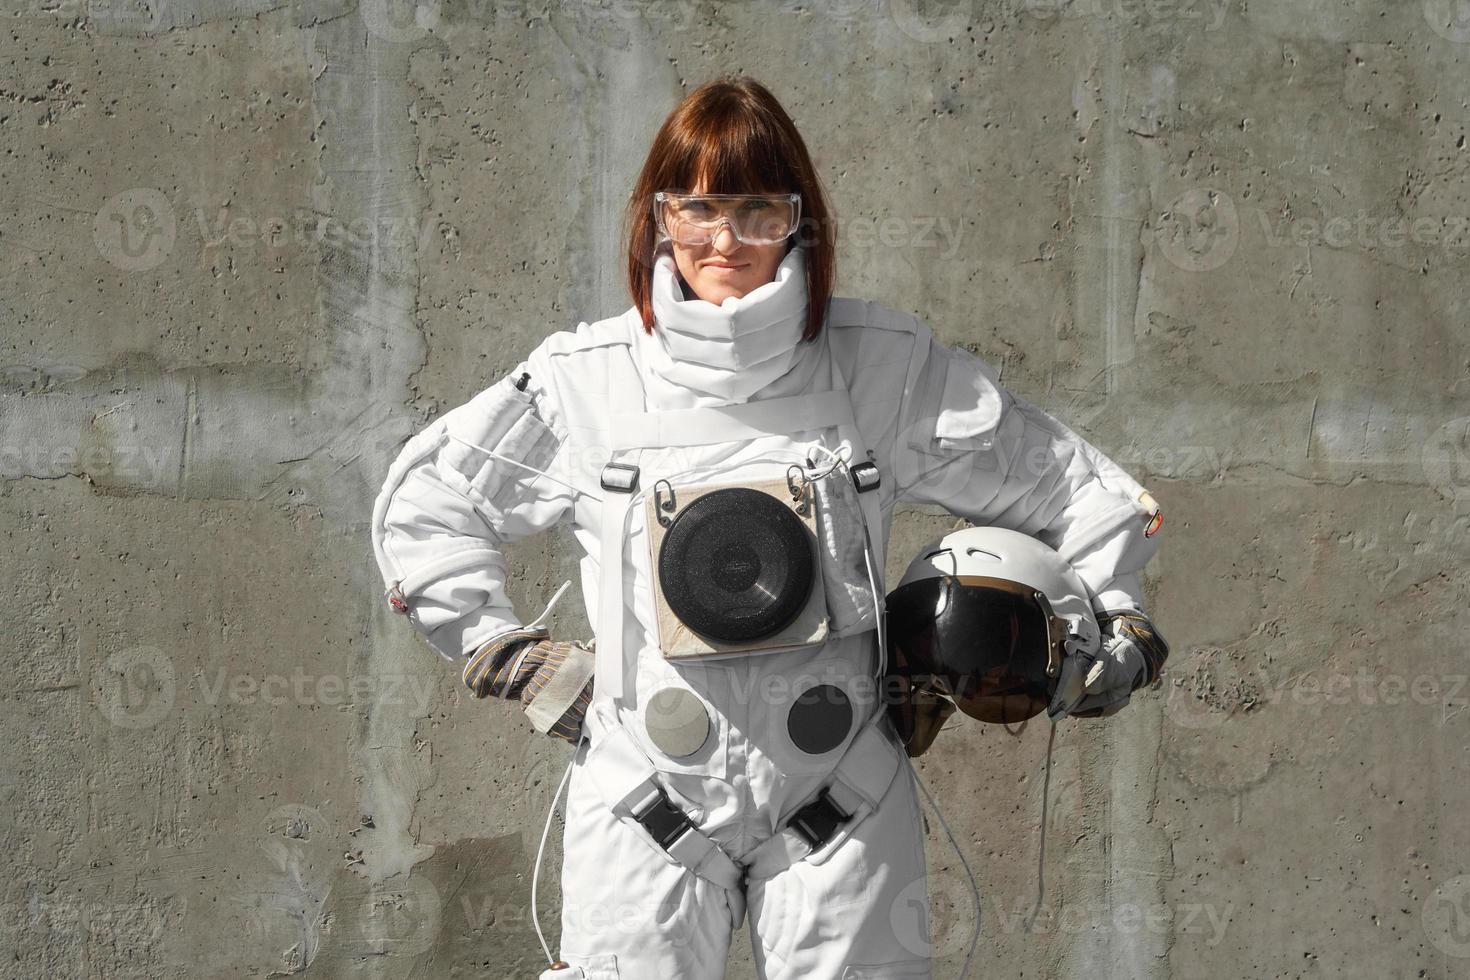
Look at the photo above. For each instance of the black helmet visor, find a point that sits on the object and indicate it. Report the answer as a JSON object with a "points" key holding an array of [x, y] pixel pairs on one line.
{"points": [[992, 645]]}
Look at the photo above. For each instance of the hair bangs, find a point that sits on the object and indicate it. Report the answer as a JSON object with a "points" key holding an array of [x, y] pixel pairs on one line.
{"points": [[731, 136]]}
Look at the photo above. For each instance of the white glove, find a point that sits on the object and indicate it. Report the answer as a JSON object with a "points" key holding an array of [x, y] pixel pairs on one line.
{"points": [[1098, 686]]}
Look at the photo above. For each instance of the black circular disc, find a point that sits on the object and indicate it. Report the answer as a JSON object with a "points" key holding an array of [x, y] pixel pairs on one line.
{"points": [[818, 720], [736, 565]]}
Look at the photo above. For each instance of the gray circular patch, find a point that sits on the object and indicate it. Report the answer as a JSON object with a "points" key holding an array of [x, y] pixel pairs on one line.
{"points": [[819, 719], [676, 722]]}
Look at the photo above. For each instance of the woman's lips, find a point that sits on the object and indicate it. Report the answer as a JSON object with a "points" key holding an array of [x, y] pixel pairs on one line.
{"points": [[723, 270]]}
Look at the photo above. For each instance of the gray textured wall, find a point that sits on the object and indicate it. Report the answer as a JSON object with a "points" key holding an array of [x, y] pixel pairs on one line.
{"points": [[249, 246]]}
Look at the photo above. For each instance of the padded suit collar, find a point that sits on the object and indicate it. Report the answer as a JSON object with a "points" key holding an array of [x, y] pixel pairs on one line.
{"points": [[702, 355]]}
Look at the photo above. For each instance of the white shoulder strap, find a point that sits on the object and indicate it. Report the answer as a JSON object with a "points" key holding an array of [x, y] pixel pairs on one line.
{"points": [[728, 423], [625, 394]]}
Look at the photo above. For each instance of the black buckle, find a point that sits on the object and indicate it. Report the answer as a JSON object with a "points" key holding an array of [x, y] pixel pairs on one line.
{"points": [[665, 822], [819, 820], [865, 476], [620, 477]]}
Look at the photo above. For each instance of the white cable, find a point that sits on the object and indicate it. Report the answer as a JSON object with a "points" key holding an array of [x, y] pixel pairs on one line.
{"points": [[880, 612], [516, 462], [541, 849], [880, 607], [533, 624], [969, 875], [527, 645], [841, 456], [546, 830]]}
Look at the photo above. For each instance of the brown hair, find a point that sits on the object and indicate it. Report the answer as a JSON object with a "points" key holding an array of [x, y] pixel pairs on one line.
{"points": [[733, 132]]}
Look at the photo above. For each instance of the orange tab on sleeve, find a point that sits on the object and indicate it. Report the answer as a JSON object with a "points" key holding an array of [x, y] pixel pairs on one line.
{"points": [[1155, 516]]}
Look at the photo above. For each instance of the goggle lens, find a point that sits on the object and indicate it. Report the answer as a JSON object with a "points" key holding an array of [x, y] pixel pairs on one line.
{"points": [[755, 219]]}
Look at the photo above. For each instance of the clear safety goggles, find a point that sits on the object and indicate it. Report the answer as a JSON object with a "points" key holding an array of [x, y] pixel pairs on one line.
{"points": [[755, 219]]}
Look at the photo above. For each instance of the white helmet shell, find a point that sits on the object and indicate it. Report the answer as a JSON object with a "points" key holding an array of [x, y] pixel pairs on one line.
{"points": [[1000, 552]]}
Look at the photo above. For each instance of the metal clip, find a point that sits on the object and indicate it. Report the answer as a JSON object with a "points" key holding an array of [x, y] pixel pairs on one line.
{"points": [[1059, 630], [797, 483], [663, 506]]}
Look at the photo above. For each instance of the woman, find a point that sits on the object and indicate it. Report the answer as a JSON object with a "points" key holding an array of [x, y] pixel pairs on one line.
{"points": [[731, 755]]}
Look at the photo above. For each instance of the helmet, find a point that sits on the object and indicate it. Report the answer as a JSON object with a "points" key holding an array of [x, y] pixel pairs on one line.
{"points": [[985, 615]]}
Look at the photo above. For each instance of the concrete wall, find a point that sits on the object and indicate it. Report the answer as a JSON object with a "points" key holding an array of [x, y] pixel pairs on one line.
{"points": [[249, 247]]}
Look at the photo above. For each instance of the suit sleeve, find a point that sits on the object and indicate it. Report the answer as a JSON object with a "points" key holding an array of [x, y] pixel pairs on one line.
{"points": [[448, 508], [985, 454]]}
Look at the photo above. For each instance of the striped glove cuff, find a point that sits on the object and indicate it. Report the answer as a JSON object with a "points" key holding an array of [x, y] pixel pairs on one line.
{"points": [[503, 668], [1145, 635], [553, 680]]}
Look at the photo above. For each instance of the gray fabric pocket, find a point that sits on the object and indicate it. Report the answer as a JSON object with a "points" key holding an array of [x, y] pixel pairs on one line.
{"points": [[850, 602]]}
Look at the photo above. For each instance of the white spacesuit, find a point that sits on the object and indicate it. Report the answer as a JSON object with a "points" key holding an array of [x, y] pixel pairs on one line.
{"points": [[712, 785]]}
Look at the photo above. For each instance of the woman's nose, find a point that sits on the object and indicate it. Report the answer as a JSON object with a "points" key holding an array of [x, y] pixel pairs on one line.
{"points": [[725, 241]]}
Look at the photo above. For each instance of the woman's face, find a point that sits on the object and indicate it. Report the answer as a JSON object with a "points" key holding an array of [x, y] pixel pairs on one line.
{"points": [[724, 266]]}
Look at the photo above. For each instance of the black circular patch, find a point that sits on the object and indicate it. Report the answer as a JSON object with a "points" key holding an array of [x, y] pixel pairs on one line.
{"points": [[819, 719], [736, 565]]}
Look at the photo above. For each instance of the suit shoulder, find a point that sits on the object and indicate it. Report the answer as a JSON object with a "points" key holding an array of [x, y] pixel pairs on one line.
{"points": [[867, 335], [608, 332], [533, 383], [848, 315]]}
